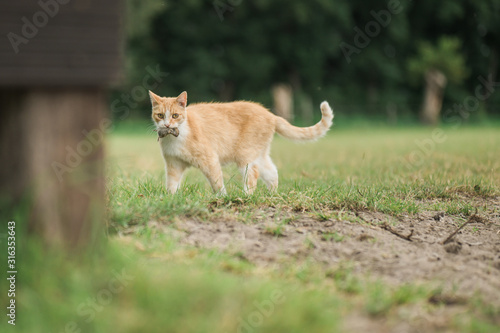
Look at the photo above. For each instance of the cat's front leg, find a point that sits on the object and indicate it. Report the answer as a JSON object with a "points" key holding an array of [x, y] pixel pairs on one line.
{"points": [[213, 171], [174, 170]]}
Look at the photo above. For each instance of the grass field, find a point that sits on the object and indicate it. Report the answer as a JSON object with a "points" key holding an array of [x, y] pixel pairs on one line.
{"points": [[384, 170], [326, 253]]}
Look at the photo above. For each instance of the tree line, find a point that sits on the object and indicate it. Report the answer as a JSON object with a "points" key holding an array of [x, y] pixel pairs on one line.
{"points": [[372, 59]]}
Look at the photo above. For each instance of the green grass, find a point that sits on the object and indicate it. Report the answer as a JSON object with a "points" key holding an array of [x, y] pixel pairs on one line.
{"points": [[148, 282], [179, 288], [350, 170], [157, 293], [276, 230], [335, 236], [346, 171]]}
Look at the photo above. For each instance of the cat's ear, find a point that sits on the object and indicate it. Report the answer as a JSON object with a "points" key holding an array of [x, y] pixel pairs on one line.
{"points": [[182, 99], [155, 99]]}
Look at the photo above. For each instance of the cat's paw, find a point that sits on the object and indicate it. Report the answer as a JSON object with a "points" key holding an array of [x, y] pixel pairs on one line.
{"points": [[221, 193]]}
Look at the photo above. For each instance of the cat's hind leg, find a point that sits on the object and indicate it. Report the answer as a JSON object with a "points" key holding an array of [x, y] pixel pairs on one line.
{"points": [[268, 172], [250, 173]]}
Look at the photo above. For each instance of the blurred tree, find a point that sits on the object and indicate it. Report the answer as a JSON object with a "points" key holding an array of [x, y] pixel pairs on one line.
{"points": [[438, 64], [477, 25], [237, 49], [140, 51]]}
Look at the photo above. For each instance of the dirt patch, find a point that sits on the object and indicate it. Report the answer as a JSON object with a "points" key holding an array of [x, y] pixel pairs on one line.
{"points": [[397, 250]]}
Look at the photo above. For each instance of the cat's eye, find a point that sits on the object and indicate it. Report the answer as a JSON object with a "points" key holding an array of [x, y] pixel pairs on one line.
{"points": [[175, 116], [160, 115]]}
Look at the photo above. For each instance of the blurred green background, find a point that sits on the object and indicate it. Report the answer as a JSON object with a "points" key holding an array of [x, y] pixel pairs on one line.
{"points": [[226, 50]]}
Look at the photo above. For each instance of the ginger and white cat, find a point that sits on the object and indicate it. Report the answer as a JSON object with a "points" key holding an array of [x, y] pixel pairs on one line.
{"points": [[214, 134]]}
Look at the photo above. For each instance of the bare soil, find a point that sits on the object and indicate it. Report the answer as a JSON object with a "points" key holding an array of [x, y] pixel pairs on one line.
{"points": [[397, 250]]}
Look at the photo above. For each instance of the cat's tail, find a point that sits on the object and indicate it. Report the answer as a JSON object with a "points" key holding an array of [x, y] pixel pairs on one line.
{"points": [[287, 130]]}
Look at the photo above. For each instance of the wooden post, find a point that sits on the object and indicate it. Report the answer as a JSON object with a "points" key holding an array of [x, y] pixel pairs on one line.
{"points": [[55, 63], [48, 157]]}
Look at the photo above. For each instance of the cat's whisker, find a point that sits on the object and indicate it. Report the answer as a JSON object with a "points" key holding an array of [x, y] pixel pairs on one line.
{"points": [[152, 129]]}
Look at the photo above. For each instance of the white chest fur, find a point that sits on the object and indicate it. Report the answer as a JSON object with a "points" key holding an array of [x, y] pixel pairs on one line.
{"points": [[174, 146]]}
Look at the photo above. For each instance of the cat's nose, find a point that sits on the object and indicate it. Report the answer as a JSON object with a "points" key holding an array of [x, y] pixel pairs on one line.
{"points": [[167, 125]]}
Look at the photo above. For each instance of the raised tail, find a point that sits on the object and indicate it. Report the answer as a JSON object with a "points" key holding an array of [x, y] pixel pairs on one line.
{"points": [[287, 130]]}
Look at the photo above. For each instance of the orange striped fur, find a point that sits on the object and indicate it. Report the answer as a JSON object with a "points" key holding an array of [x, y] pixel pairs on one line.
{"points": [[214, 134]]}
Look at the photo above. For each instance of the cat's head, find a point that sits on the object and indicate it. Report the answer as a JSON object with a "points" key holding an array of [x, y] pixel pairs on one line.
{"points": [[168, 111]]}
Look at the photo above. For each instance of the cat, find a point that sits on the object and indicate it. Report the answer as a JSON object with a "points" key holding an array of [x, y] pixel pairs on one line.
{"points": [[213, 134]]}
